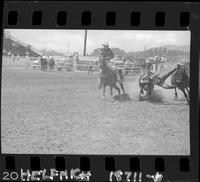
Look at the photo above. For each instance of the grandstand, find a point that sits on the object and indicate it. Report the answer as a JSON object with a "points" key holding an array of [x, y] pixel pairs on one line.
{"points": [[14, 46]]}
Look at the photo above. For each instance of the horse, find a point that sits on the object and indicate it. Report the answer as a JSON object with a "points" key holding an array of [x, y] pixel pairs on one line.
{"points": [[43, 63], [180, 79], [108, 77], [51, 64]]}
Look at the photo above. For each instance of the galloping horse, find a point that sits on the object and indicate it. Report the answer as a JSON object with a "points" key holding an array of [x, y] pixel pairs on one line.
{"points": [[108, 77], [180, 79]]}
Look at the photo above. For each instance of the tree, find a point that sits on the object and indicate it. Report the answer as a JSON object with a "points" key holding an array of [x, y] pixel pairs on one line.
{"points": [[95, 53], [118, 52]]}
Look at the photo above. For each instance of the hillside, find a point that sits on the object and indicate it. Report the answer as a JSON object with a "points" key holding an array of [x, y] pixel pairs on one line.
{"points": [[168, 50], [177, 47], [173, 53], [53, 53]]}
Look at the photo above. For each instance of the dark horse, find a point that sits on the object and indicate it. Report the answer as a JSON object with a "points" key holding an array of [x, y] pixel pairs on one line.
{"points": [[43, 63], [51, 64], [108, 77], [180, 79]]}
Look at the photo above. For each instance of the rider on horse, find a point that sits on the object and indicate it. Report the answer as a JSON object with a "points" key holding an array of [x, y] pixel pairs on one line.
{"points": [[106, 54]]}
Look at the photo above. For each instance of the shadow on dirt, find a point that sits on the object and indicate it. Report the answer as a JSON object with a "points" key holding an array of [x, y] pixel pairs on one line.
{"points": [[156, 97], [122, 98]]}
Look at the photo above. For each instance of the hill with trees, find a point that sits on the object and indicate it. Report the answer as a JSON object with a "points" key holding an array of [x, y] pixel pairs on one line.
{"points": [[174, 53]]}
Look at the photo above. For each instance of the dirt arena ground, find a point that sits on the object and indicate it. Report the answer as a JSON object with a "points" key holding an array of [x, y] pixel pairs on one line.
{"points": [[63, 113]]}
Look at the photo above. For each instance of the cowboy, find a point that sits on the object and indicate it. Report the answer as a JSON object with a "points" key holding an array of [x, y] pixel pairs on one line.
{"points": [[148, 77], [148, 65], [106, 55], [107, 52]]}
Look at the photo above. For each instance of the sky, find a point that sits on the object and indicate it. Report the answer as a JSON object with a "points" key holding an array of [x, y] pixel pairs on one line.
{"points": [[128, 40]]}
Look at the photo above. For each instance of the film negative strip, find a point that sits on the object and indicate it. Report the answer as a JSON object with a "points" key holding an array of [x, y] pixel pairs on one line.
{"points": [[57, 120]]}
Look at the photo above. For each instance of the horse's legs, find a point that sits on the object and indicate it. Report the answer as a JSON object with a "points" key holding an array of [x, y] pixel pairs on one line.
{"points": [[117, 88], [122, 87], [176, 95], [185, 94]]}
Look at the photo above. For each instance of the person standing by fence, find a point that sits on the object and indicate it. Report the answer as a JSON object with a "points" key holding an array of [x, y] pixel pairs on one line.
{"points": [[157, 59], [90, 69], [75, 61], [162, 63], [27, 61]]}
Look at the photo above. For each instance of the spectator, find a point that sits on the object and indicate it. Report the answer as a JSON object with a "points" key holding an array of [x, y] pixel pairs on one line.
{"points": [[27, 61], [162, 64], [156, 59], [90, 70], [75, 61]]}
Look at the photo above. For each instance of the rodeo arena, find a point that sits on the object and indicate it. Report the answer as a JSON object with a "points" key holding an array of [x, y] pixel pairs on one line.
{"points": [[102, 104]]}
